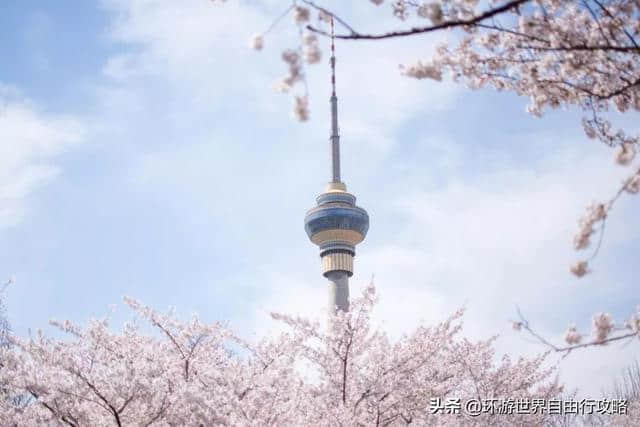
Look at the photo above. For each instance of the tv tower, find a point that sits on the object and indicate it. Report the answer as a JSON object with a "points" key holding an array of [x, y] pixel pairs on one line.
{"points": [[336, 224]]}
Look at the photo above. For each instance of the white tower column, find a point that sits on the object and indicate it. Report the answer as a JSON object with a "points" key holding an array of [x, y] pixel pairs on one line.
{"points": [[338, 290]]}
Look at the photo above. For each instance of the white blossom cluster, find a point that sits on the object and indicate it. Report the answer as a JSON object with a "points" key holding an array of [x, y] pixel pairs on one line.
{"points": [[431, 11], [400, 9], [186, 374], [301, 15], [634, 322], [308, 52], [293, 61], [257, 42], [420, 70], [436, 11], [572, 337], [301, 108], [310, 49], [580, 268], [633, 185], [596, 212], [625, 153], [602, 327], [556, 52]]}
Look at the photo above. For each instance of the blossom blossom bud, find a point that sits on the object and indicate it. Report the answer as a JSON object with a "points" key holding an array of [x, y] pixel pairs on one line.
{"points": [[580, 268], [633, 186], [602, 326], [625, 153], [312, 54], [377, 2], [597, 211], [634, 323], [517, 326], [431, 11], [301, 108], [309, 39], [422, 71], [572, 337], [588, 129], [257, 42], [400, 9], [581, 240], [290, 56], [300, 15]]}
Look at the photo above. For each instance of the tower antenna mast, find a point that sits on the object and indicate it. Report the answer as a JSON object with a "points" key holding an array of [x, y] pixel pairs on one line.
{"points": [[335, 136]]}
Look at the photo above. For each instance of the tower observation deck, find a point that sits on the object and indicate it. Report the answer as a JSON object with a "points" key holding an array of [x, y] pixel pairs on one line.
{"points": [[336, 224]]}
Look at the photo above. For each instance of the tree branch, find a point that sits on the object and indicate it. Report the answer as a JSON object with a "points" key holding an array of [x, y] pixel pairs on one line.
{"points": [[354, 35]]}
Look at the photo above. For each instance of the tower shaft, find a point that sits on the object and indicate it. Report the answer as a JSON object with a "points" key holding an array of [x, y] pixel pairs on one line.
{"points": [[338, 290]]}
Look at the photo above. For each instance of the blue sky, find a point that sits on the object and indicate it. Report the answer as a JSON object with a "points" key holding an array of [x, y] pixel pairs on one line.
{"points": [[144, 153]]}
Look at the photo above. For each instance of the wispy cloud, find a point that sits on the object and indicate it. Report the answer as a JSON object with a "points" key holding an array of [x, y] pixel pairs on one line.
{"points": [[30, 141]]}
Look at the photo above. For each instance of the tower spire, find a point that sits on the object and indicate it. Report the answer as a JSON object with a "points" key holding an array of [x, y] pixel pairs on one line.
{"points": [[333, 61], [335, 137]]}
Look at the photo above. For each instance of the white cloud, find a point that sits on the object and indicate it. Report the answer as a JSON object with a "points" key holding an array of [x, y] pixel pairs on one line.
{"points": [[29, 142]]}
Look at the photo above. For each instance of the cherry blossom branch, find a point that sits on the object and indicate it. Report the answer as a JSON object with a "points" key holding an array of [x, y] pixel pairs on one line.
{"points": [[603, 330], [595, 18], [608, 13], [582, 47], [62, 418], [354, 35], [598, 212]]}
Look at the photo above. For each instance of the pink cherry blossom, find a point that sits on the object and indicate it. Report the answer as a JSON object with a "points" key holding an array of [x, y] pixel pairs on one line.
{"points": [[193, 373]]}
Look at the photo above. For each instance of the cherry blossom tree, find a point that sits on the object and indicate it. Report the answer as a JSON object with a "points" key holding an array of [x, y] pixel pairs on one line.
{"points": [[579, 54], [365, 379], [192, 373]]}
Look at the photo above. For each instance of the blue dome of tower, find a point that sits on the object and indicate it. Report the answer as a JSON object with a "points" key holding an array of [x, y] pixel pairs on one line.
{"points": [[336, 224]]}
